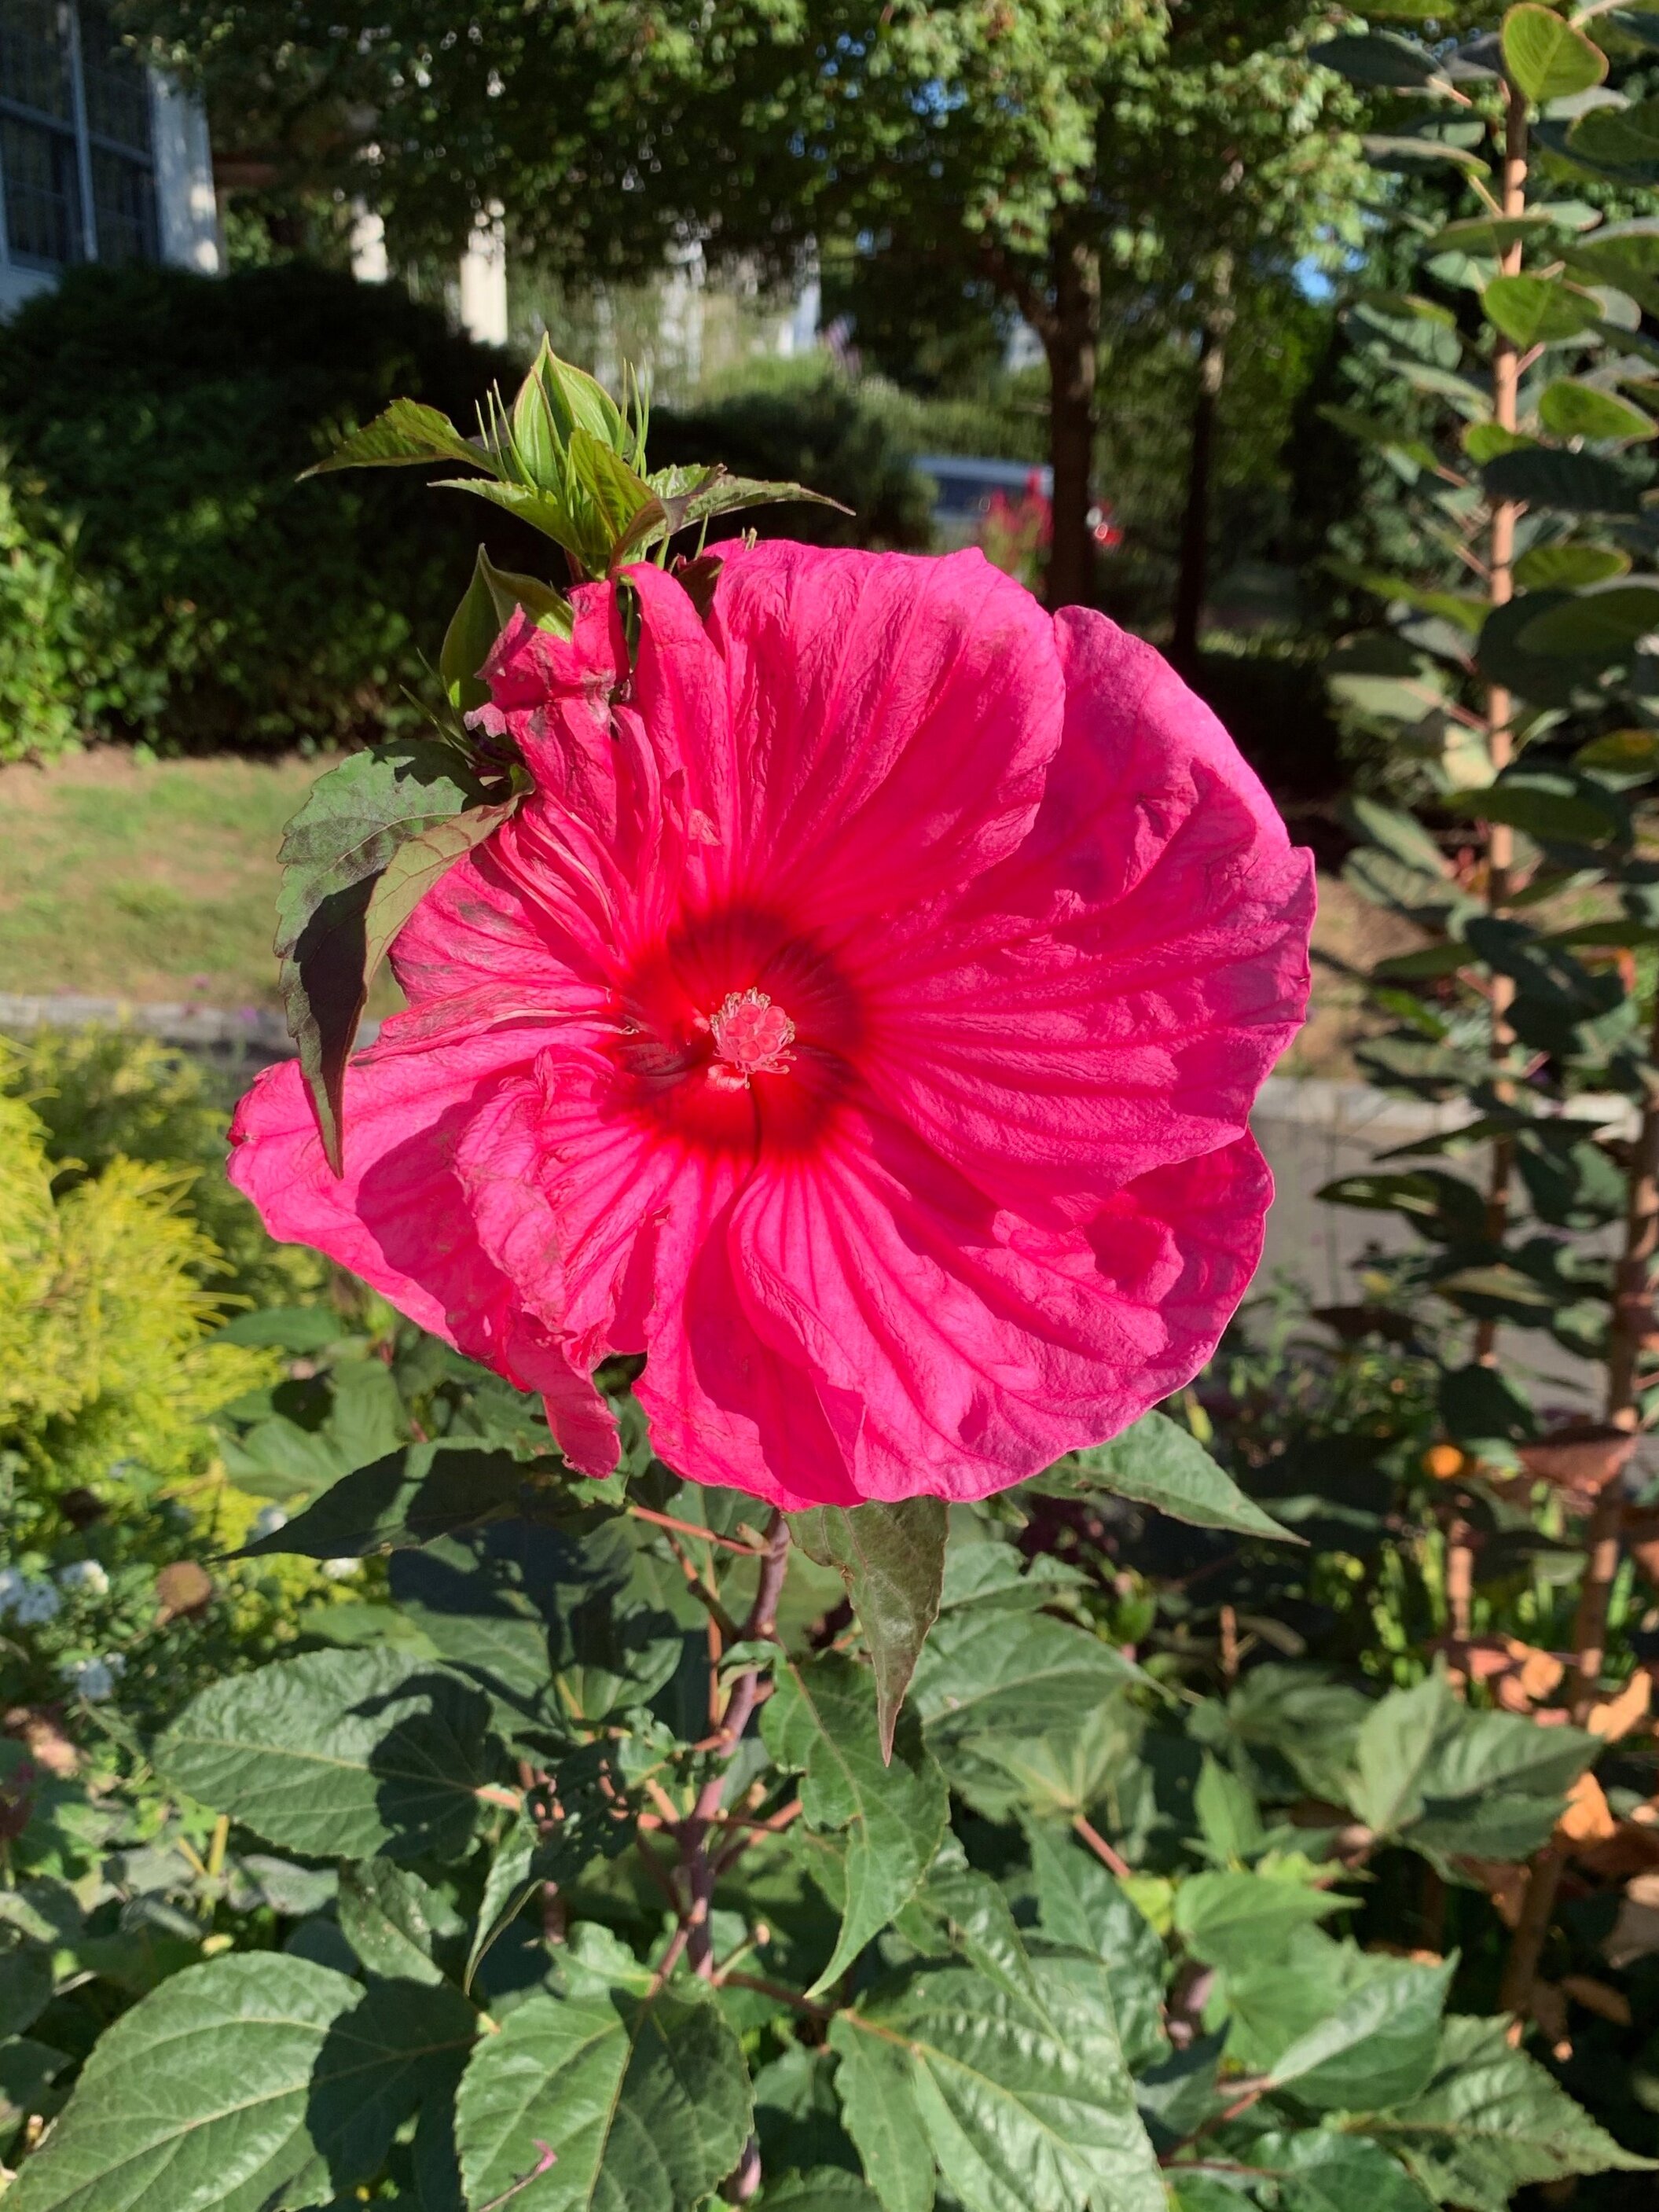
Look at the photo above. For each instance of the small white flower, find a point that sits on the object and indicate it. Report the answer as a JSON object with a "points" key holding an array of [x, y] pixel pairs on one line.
{"points": [[268, 1520], [86, 1575], [95, 1679], [35, 1601], [343, 1571], [11, 1584]]}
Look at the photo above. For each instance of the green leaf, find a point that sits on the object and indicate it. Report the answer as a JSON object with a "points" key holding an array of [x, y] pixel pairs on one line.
{"points": [[1488, 236], [26, 1982], [824, 2189], [1442, 1206], [1378, 59], [539, 510], [643, 2100], [1319, 2170], [1551, 808], [406, 434], [236, 2043], [251, 2081], [821, 1722], [1397, 832], [338, 1754], [469, 641], [1021, 1672], [1616, 137], [1235, 1920], [27, 2070], [1490, 2123], [1459, 1783], [892, 1558], [409, 1499], [1378, 2047], [1157, 1463], [617, 492], [352, 825], [1081, 1905], [1023, 2094], [882, 2116], [1570, 409], [1607, 621], [390, 1918], [1569, 568], [1574, 484], [1630, 752], [1538, 310], [1483, 1410], [1547, 59]]}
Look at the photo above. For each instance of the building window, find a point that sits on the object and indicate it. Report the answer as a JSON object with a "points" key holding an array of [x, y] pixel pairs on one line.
{"points": [[77, 172]]}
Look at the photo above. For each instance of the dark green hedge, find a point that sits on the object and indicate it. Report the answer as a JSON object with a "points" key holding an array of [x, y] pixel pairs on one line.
{"points": [[169, 415], [196, 597]]}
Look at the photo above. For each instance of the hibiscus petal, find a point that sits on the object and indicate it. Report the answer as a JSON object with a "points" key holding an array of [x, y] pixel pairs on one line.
{"points": [[872, 1328], [399, 1217], [880, 732], [1110, 998]]}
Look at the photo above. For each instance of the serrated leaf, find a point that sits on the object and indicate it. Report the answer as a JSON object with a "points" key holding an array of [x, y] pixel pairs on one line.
{"points": [[249, 2080], [338, 1754], [892, 1558], [1538, 310], [406, 435], [821, 1722], [1377, 2047], [881, 2115], [617, 492], [351, 827], [1024, 1673], [1236, 1920], [643, 2100], [390, 1918], [1491, 2122], [1319, 2170], [1427, 1767], [1157, 1463], [409, 1499], [1081, 1905], [1546, 57], [1023, 2095]]}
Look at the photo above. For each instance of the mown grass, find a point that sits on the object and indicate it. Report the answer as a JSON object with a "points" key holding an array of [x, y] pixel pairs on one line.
{"points": [[148, 880]]}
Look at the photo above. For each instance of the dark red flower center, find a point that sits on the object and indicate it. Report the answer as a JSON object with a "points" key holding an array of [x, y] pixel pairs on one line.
{"points": [[737, 1032]]}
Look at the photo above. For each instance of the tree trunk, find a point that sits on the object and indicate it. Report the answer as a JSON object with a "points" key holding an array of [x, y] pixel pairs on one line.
{"points": [[1192, 577], [1071, 339]]}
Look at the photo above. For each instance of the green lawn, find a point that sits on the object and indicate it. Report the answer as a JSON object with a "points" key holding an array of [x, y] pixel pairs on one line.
{"points": [[144, 880]]}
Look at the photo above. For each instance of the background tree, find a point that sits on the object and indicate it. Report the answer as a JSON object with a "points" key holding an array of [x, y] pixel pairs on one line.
{"points": [[1065, 161]]}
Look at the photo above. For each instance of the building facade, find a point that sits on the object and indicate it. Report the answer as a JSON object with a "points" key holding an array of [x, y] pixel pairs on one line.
{"points": [[101, 158]]}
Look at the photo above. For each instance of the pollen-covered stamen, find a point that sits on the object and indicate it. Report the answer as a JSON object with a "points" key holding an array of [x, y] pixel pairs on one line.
{"points": [[751, 1037]]}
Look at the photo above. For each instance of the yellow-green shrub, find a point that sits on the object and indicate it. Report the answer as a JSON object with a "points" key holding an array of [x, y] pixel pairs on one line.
{"points": [[105, 1314]]}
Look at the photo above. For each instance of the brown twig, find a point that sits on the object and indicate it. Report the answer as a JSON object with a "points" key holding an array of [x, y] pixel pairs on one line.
{"points": [[1102, 1849], [805, 2006], [692, 1528], [694, 1860]]}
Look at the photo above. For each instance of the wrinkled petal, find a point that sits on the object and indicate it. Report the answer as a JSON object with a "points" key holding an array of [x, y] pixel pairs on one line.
{"points": [[399, 1217], [867, 1328], [887, 722], [1110, 998]]}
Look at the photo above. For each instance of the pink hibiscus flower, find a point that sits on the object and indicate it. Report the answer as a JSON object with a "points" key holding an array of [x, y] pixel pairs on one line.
{"points": [[860, 1020]]}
